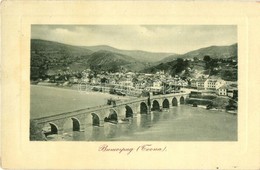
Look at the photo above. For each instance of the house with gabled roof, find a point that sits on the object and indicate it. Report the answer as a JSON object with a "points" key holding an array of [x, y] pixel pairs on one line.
{"points": [[222, 91]]}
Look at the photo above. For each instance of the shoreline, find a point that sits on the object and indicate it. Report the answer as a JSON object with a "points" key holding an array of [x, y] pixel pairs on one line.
{"points": [[215, 109]]}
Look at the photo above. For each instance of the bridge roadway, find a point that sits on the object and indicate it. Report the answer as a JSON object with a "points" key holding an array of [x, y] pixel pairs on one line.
{"points": [[96, 115]]}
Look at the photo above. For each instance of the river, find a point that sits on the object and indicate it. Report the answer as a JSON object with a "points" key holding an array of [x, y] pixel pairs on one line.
{"points": [[182, 123], [47, 101]]}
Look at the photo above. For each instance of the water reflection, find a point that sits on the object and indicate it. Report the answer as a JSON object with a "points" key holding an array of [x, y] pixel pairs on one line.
{"points": [[109, 131], [143, 121], [156, 116], [97, 133]]}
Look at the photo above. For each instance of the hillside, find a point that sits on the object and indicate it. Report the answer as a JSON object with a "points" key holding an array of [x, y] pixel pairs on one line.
{"points": [[55, 48], [213, 51], [48, 58], [220, 63], [110, 61], [143, 56], [173, 67]]}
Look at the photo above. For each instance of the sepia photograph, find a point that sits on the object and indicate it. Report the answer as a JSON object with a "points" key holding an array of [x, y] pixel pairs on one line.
{"points": [[133, 83]]}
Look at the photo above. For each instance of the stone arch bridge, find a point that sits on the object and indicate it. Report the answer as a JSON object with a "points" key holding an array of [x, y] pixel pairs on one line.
{"points": [[96, 116]]}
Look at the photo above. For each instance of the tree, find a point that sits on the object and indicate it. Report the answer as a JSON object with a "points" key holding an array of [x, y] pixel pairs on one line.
{"points": [[195, 59], [134, 80], [181, 65], [104, 80], [206, 58], [179, 60]]}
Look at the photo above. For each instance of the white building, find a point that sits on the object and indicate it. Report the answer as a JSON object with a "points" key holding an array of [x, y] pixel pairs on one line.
{"points": [[222, 91], [126, 83], [210, 84], [214, 83], [157, 86]]}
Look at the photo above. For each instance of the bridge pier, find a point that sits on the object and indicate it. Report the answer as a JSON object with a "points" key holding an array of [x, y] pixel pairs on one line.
{"points": [[60, 131], [83, 121], [149, 110], [101, 123]]}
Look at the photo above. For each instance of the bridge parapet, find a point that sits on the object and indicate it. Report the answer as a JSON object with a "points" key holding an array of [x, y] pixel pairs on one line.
{"points": [[103, 107], [71, 114]]}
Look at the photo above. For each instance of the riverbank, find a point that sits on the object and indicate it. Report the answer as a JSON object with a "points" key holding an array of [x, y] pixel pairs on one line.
{"points": [[214, 102], [234, 112]]}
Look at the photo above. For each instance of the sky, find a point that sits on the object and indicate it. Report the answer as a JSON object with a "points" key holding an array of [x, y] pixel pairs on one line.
{"points": [[155, 38]]}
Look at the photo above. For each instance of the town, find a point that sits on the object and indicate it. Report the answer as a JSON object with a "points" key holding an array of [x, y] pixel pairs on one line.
{"points": [[205, 88]]}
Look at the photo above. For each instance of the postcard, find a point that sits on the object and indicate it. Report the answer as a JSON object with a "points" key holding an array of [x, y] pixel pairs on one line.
{"points": [[129, 85]]}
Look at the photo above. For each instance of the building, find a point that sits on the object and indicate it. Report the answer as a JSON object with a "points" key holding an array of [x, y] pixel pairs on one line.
{"points": [[193, 83], [220, 83], [214, 83], [201, 83], [73, 79], [126, 83], [232, 92], [95, 80], [210, 84], [198, 83], [157, 86], [222, 91]]}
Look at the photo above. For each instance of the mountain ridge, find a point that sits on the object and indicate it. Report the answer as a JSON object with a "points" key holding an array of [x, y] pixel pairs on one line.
{"points": [[144, 56], [54, 56], [213, 51]]}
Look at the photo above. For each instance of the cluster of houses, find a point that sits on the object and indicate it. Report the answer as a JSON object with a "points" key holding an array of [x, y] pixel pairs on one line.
{"points": [[221, 87], [151, 82]]}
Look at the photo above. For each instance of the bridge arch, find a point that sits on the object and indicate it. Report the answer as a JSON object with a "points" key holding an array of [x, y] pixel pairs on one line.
{"points": [[143, 108], [182, 101], [71, 124], [129, 111], [155, 106], [166, 103], [174, 102], [112, 117], [75, 124], [95, 119], [50, 129], [54, 128]]}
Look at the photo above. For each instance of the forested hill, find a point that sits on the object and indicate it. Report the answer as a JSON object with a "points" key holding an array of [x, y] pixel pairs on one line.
{"points": [[143, 56], [49, 57], [113, 62], [212, 51], [215, 60]]}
